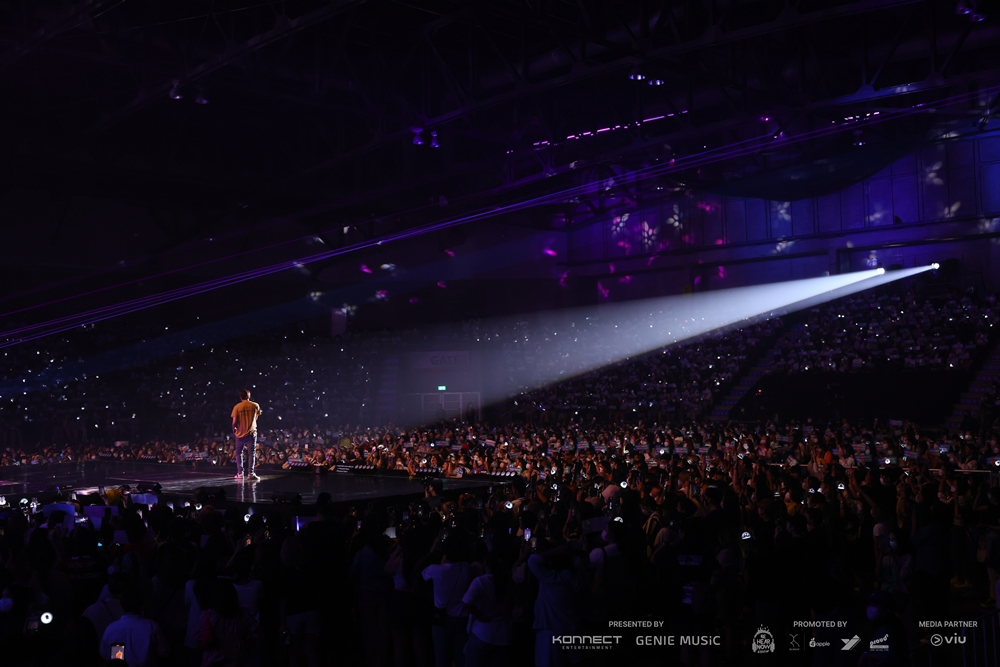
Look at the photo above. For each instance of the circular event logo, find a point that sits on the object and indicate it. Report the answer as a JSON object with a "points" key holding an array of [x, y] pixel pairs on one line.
{"points": [[763, 641]]}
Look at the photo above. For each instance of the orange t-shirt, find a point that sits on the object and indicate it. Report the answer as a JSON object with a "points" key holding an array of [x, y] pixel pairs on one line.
{"points": [[245, 417]]}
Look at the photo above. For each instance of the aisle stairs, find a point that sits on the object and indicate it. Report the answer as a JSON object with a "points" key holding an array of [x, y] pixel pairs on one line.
{"points": [[980, 386], [743, 386]]}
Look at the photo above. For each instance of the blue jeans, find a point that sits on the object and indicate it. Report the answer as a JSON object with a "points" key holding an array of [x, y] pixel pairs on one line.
{"points": [[250, 443]]}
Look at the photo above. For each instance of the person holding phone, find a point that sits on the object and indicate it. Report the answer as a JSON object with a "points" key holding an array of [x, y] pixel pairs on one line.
{"points": [[491, 625], [451, 581], [143, 640], [226, 632]]}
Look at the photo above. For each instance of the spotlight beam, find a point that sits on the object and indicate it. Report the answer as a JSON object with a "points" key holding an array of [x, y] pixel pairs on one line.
{"points": [[620, 331]]}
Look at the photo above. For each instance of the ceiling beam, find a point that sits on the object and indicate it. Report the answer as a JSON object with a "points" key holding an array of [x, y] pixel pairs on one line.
{"points": [[77, 16], [284, 27], [787, 20]]}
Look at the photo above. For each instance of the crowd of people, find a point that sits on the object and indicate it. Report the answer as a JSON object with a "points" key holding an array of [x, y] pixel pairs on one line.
{"points": [[310, 380], [616, 502], [681, 381], [872, 331], [305, 377], [713, 530]]}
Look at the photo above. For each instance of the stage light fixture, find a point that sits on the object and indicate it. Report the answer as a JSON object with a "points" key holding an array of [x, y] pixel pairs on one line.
{"points": [[935, 266], [637, 75], [434, 140], [656, 82], [175, 93], [880, 271], [418, 139]]}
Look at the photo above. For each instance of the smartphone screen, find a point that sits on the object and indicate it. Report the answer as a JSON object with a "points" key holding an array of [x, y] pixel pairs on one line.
{"points": [[527, 534], [118, 651]]}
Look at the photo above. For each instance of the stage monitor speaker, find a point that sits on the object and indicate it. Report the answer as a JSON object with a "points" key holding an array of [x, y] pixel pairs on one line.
{"points": [[287, 498]]}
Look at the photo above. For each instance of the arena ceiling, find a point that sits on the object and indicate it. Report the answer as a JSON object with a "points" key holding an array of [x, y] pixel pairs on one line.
{"points": [[355, 119]]}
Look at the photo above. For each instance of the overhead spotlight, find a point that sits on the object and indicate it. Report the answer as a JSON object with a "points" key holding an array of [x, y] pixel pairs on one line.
{"points": [[434, 140], [174, 93], [969, 8], [879, 271], [418, 139], [935, 266], [656, 82], [637, 75], [201, 99]]}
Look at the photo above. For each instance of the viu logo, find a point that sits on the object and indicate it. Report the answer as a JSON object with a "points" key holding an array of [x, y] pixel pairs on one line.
{"points": [[938, 640]]}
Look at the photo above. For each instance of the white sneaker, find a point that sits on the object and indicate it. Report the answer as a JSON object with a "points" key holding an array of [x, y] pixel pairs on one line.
{"points": [[254, 476], [238, 476]]}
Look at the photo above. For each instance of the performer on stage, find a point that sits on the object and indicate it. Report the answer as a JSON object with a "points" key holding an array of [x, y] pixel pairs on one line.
{"points": [[245, 429]]}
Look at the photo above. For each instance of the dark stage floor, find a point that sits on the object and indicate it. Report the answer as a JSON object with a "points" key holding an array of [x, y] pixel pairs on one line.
{"points": [[182, 479]]}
